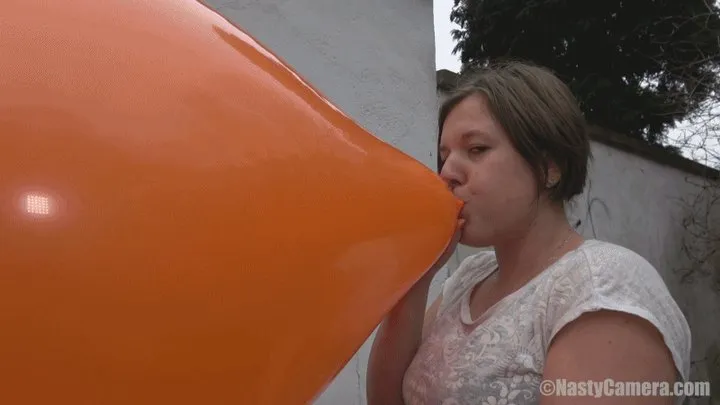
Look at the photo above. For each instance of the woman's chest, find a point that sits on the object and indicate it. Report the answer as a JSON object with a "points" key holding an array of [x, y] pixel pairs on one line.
{"points": [[499, 359]]}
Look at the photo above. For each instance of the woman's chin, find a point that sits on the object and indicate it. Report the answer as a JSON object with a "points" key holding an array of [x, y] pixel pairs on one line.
{"points": [[473, 239]]}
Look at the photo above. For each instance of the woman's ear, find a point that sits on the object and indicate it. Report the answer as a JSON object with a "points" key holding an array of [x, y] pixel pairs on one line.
{"points": [[553, 175]]}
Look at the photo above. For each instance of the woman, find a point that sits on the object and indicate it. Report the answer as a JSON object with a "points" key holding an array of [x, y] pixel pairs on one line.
{"points": [[546, 304]]}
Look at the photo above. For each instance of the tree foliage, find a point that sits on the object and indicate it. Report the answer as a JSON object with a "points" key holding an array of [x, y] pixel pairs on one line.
{"points": [[636, 66]]}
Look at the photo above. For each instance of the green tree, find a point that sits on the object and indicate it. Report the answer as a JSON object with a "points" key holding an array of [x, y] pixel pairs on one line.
{"points": [[636, 66]]}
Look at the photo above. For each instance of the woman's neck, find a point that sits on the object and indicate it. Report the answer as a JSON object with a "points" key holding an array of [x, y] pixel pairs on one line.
{"points": [[548, 238]]}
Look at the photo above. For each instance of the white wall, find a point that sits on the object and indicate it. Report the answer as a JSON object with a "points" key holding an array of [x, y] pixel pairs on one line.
{"points": [[375, 60]]}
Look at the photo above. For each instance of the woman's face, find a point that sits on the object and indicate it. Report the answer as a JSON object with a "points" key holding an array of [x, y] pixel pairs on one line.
{"points": [[483, 169]]}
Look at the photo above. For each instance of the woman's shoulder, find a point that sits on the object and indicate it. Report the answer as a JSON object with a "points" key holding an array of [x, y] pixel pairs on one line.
{"points": [[482, 261], [471, 270], [605, 276], [599, 264], [607, 255]]}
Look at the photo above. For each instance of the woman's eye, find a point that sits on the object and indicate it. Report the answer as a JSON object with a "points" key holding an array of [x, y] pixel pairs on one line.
{"points": [[478, 149]]}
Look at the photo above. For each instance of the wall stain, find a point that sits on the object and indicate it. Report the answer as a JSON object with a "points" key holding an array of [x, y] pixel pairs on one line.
{"points": [[589, 216], [589, 213]]}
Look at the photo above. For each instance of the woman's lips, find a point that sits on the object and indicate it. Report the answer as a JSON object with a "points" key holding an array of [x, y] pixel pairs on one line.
{"points": [[463, 210]]}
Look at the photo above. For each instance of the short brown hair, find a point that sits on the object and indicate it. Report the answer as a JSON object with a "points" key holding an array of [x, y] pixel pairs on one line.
{"points": [[540, 115]]}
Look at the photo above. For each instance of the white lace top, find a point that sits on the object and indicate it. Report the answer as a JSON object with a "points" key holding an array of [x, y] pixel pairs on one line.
{"points": [[499, 358]]}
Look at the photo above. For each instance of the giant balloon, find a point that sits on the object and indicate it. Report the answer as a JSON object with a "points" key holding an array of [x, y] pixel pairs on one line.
{"points": [[185, 220]]}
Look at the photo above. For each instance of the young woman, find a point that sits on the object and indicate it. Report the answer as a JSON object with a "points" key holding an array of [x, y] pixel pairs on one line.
{"points": [[545, 304]]}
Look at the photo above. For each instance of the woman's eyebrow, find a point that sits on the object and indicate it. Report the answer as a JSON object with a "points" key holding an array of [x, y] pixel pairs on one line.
{"points": [[465, 137], [474, 133]]}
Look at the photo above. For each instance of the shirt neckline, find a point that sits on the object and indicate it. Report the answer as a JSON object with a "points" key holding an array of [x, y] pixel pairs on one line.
{"points": [[465, 316]]}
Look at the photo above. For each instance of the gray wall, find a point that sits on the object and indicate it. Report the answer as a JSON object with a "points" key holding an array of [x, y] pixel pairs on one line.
{"points": [[375, 60]]}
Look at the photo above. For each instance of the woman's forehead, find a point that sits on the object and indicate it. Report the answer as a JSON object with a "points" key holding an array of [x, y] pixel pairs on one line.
{"points": [[470, 130], [470, 115]]}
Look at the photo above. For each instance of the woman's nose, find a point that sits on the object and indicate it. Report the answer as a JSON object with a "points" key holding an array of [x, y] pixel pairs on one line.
{"points": [[451, 174]]}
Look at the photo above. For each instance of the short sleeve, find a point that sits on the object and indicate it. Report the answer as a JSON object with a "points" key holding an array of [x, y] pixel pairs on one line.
{"points": [[470, 271], [609, 277]]}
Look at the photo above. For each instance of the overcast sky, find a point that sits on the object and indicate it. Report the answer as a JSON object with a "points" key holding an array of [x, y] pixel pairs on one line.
{"points": [[444, 44]]}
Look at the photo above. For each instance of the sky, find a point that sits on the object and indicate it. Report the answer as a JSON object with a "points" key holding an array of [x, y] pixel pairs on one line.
{"points": [[444, 44]]}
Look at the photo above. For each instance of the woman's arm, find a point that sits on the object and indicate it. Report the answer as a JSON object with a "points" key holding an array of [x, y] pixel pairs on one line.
{"points": [[396, 343], [607, 345], [400, 334]]}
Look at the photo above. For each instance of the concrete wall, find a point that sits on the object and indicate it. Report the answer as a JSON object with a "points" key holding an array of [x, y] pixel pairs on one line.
{"points": [[376, 61]]}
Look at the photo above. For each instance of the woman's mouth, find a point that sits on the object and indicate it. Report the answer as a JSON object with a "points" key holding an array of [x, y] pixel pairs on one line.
{"points": [[463, 211]]}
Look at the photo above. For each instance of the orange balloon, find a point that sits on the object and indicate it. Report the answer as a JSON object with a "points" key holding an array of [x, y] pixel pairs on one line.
{"points": [[184, 220]]}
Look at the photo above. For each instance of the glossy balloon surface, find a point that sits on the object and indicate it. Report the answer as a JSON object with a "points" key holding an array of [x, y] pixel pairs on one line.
{"points": [[184, 220]]}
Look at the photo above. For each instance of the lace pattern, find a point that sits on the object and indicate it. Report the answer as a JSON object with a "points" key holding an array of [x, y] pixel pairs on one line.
{"points": [[499, 358]]}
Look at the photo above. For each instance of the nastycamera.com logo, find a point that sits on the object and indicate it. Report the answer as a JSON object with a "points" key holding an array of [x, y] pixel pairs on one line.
{"points": [[611, 388]]}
